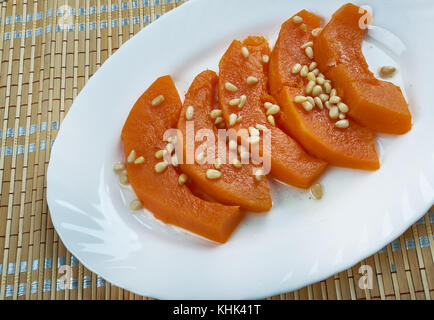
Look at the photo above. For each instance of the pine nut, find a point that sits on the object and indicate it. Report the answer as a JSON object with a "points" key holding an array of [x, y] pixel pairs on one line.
{"points": [[160, 166], [273, 110], [333, 92], [183, 178], [233, 145], [253, 131], [135, 205], [160, 154], [311, 76], [217, 163], [316, 32], [230, 87], [265, 58], [387, 71], [309, 52], [170, 147], [218, 120], [215, 113], [307, 106], [324, 97], [253, 139], [189, 113], [335, 99], [296, 68], [320, 80], [327, 87], [252, 80], [309, 87], [158, 100], [123, 178], [237, 163], [342, 116], [258, 174], [316, 91], [334, 112], [303, 27], [243, 100], [270, 119], [312, 66], [172, 139], [307, 44], [245, 52], [304, 71], [174, 160], [317, 191], [213, 174], [261, 127], [235, 102], [268, 105], [300, 99], [239, 119], [328, 105], [118, 167], [318, 103], [342, 107], [316, 72], [232, 119], [342, 124], [297, 19], [131, 156], [200, 156], [244, 155], [139, 160]]}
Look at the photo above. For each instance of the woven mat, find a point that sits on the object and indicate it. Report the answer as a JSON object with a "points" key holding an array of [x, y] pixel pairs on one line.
{"points": [[45, 62]]}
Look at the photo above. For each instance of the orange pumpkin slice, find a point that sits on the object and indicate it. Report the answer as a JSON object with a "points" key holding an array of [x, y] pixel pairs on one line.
{"points": [[289, 162], [160, 192], [236, 186], [353, 147], [378, 105]]}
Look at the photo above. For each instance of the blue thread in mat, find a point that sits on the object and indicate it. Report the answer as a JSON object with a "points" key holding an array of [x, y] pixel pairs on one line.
{"points": [[136, 20], [82, 26], [409, 243], [100, 282], [42, 145], [61, 261], [125, 21], [39, 15], [29, 17], [19, 18], [10, 132], [124, 5], [35, 264], [48, 263], [87, 282], [115, 23], [135, 4], [20, 149], [22, 288], [104, 8], [74, 261], [81, 11], [92, 25], [423, 241], [48, 28], [29, 33], [11, 268], [17, 34], [115, 7], [9, 290], [23, 266], [8, 20], [38, 32], [396, 245], [147, 18], [46, 286], [34, 287], [7, 36], [32, 147], [104, 24], [146, 3], [92, 10], [73, 284], [49, 13], [71, 27]]}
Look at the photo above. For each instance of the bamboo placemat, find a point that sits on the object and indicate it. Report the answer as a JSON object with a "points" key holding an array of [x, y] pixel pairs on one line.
{"points": [[43, 67]]}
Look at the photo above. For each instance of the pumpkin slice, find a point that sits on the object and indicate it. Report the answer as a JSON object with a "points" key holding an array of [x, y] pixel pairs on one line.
{"points": [[353, 147], [289, 162], [236, 186], [160, 192], [379, 105]]}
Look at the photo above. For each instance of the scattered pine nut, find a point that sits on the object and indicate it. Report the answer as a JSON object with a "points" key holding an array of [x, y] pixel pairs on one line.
{"points": [[170, 147], [230, 87], [268, 105], [320, 80], [333, 92], [217, 163], [307, 106], [316, 72], [324, 97], [237, 163], [131, 156], [335, 99], [334, 112], [183, 178], [312, 66], [317, 191], [311, 100], [252, 80], [174, 160], [244, 155], [215, 113], [307, 44], [270, 119], [303, 27], [258, 174], [316, 91], [200, 156], [239, 119], [160, 154], [189, 113], [273, 110], [297, 19], [342, 116], [213, 174], [218, 120], [309, 52], [245, 52], [232, 119], [123, 178], [300, 99], [158, 100], [265, 58], [253, 131], [387, 71], [328, 105], [135, 205], [261, 127], [234, 102], [118, 167], [318, 103], [342, 124], [309, 87], [316, 32], [304, 71], [160, 166], [311, 76], [296, 68], [327, 87], [342, 107], [172, 139], [139, 160], [253, 139], [233, 145], [243, 100]]}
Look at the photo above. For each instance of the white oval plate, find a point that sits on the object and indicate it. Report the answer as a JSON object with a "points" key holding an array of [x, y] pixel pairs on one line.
{"points": [[300, 241]]}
